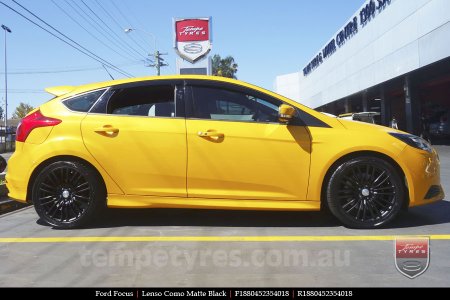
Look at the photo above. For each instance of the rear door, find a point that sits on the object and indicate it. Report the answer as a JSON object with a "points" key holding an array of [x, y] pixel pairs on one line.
{"points": [[138, 135]]}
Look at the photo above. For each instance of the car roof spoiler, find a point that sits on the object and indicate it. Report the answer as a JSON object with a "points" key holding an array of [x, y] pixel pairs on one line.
{"points": [[60, 90]]}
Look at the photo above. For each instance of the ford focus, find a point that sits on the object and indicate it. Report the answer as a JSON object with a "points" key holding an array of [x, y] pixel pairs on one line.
{"points": [[210, 142]]}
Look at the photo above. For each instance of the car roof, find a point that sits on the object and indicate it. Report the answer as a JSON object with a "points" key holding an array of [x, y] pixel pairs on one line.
{"points": [[72, 90]]}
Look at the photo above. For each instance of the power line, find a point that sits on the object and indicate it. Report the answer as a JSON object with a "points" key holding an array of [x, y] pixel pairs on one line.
{"points": [[24, 91], [106, 69], [117, 41], [87, 18], [84, 51], [106, 25], [128, 25], [135, 17], [124, 17], [83, 14], [66, 70], [89, 32], [120, 26], [120, 12]]}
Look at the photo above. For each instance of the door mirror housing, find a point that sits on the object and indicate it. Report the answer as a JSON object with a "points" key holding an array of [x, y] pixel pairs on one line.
{"points": [[286, 113]]}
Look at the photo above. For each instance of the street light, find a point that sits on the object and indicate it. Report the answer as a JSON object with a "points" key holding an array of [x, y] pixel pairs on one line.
{"points": [[7, 30], [159, 61], [128, 30]]}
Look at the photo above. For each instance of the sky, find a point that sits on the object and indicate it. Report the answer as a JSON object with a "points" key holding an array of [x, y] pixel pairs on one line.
{"points": [[267, 38]]}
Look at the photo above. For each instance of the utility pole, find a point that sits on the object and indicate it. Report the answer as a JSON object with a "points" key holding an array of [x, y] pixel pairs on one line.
{"points": [[158, 62], [7, 30]]}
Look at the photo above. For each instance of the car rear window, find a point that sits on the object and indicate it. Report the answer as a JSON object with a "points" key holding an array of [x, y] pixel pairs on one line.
{"points": [[84, 102]]}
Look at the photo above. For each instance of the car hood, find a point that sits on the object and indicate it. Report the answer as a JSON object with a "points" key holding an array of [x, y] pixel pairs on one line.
{"points": [[366, 127]]}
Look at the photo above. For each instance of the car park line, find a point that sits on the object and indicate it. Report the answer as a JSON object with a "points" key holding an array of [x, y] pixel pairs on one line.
{"points": [[329, 238]]}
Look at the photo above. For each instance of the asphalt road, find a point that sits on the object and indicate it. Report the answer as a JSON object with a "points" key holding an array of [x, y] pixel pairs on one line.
{"points": [[204, 248]]}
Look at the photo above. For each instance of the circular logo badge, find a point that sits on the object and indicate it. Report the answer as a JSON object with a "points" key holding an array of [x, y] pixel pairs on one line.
{"points": [[193, 48]]}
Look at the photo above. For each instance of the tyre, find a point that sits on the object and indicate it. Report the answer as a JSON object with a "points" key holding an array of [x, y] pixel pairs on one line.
{"points": [[365, 192], [67, 194]]}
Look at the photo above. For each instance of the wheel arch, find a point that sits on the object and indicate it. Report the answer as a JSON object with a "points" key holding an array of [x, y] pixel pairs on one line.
{"points": [[53, 159], [323, 202]]}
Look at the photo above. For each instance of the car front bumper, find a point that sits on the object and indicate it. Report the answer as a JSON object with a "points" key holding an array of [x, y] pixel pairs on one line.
{"points": [[422, 171]]}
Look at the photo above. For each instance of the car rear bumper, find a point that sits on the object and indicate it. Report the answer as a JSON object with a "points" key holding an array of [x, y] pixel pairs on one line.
{"points": [[19, 171]]}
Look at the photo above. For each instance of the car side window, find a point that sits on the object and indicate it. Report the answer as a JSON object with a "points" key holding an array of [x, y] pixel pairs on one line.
{"points": [[222, 104], [84, 102], [151, 101]]}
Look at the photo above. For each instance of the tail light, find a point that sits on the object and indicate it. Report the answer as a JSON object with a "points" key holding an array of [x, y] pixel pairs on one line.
{"points": [[33, 121]]}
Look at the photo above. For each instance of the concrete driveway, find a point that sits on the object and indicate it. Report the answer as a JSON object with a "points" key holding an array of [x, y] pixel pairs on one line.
{"points": [[204, 248]]}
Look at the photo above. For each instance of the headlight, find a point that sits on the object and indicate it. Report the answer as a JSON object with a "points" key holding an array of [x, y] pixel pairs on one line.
{"points": [[413, 141]]}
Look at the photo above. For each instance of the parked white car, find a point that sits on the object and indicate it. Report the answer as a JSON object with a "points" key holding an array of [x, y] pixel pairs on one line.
{"points": [[368, 117]]}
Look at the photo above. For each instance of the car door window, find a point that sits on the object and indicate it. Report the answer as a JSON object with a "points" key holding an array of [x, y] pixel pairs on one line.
{"points": [[223, 104], [151, 101]]}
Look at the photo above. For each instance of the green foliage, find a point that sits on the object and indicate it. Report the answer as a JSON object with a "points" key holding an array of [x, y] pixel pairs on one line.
{"points": [[22, 110], [225, 67]]}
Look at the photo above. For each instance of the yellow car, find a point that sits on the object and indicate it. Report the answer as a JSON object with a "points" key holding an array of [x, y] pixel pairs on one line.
{"points": [[210, 142]]}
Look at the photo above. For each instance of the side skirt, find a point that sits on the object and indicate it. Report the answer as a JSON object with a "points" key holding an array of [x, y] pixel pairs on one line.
{"points": [[133, 201]]}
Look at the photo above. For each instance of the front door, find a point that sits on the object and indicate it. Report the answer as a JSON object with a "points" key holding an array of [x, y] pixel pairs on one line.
{"points": [[237, 149]]}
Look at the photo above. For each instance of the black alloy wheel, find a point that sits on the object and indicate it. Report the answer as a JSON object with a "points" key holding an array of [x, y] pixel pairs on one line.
{"points": [[67, 194], [365, 192]]}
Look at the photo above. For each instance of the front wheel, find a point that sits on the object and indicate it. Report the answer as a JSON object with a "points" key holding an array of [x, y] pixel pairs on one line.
{"points": [[365, 192], [67, 194]]}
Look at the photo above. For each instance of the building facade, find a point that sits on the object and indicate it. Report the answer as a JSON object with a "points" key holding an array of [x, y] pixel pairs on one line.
{"points": [[391, 57]]}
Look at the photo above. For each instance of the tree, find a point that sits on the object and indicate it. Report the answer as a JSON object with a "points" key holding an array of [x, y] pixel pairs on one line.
{"points": [[1, 113], [22, 110], [225, 67]]}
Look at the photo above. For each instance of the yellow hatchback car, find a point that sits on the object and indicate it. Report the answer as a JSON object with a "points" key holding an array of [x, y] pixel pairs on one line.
{"points": [[210, 142]]}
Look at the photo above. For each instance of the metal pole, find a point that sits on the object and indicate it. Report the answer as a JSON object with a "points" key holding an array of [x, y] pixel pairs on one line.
{"points": [[7, 30], [157, 63], [408, 105], [6, 88]]}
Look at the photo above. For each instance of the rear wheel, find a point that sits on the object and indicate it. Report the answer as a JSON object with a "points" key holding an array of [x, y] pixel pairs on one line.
{"points": [[365, 192], [67, 194]]}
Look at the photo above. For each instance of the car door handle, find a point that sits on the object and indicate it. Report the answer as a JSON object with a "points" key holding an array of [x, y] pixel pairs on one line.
{"points": [[108, 129], [210, 133]]}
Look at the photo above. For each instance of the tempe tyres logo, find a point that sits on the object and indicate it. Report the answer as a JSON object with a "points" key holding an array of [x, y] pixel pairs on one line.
{"points": [[412, 255], [192, 38]]}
